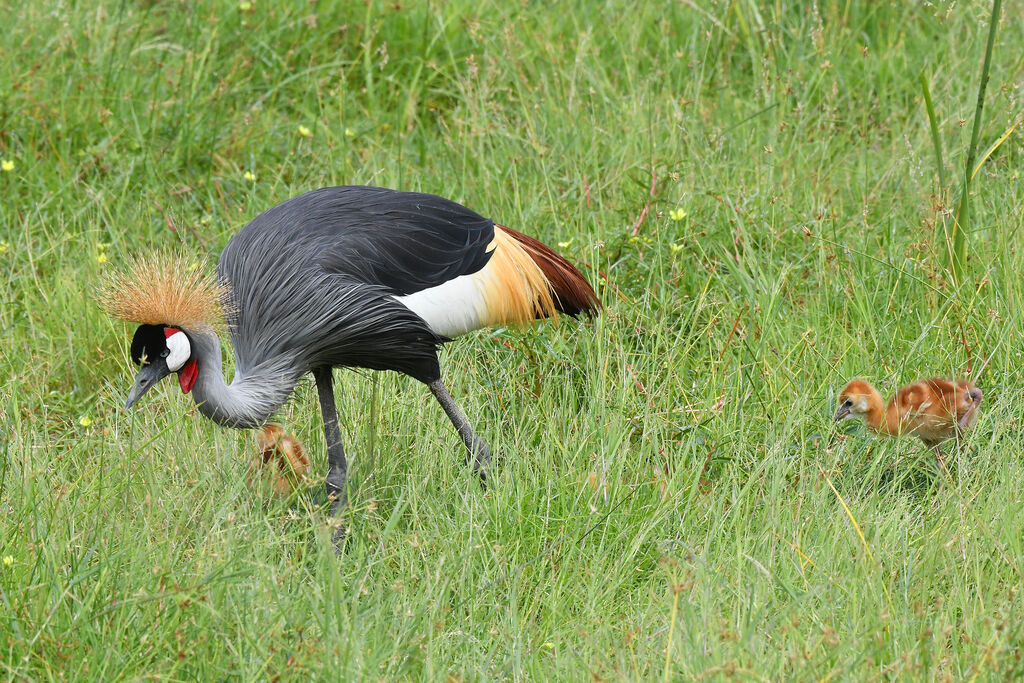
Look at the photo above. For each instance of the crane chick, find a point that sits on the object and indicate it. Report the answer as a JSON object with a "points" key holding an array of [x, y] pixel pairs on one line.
{"points": [[283, 463], [934, 410]]}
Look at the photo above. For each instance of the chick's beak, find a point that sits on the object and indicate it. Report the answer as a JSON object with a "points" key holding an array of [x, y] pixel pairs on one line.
{"points": [[842, 413], [965, 418], [975, 395], [147, 378]]}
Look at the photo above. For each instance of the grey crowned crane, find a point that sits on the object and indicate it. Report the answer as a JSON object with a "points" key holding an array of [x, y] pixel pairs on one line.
{"points": [[352, 276]]}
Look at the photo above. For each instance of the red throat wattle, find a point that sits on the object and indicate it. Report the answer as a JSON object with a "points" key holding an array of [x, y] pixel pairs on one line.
{"points": [[188, 375]]}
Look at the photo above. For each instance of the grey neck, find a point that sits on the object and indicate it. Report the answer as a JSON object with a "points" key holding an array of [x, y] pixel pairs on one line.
{"points": [[251, 398]]}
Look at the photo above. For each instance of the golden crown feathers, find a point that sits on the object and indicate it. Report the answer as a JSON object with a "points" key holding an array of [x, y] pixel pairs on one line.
{"points": [[164, 289]]}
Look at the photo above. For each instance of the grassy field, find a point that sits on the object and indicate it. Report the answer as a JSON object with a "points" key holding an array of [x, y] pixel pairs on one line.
{"points": [[754, 190]]}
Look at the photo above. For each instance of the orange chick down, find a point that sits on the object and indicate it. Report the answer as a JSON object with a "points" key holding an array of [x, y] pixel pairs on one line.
{"points": [[934, 410], [282, 461]]}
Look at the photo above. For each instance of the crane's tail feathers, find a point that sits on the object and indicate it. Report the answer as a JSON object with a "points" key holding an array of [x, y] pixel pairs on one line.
{"points": [[566, 290]]}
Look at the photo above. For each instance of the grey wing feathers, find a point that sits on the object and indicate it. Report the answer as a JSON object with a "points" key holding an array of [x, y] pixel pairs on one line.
{"points": [[305, 279], [402, 241]]}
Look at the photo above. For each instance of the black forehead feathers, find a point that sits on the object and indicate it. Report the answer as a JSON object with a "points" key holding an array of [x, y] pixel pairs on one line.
{"points": [[149, 340]]}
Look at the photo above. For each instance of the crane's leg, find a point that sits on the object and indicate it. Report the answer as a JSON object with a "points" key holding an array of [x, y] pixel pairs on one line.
{"points": [[476, 447], [337, 473]]}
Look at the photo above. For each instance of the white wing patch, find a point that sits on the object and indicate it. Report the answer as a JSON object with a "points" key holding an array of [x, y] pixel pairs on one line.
{"points": [[454, 307]]}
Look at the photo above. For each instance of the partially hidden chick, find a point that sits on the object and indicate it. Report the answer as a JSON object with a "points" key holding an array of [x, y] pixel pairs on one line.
{"points": [[933, 410], [283, 462]]}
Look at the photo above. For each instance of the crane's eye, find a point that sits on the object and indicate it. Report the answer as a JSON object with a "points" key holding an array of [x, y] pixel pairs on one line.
{"points": [[165, 353]]}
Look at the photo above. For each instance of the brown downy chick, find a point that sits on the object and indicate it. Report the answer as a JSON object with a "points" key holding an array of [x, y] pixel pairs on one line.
{"points": [[283, 462], [933, 410]]}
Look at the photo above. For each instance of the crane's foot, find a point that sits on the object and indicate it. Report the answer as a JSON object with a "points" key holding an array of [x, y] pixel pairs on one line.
{"points": [[481, 456], [338, 500], [337, 524]]}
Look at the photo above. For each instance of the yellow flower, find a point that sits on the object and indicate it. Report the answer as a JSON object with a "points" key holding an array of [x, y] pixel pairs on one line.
{"points": [[677, 214], [4, 246], [101, 257], [7, 165], [349, 133], [675, 247], [84, 421], [305, 132], [245, 6], [565, 245], [8, 560], [250, 176]]}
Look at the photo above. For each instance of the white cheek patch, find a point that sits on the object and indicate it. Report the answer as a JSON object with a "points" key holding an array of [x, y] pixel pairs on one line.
{"points": [[178, 351]]}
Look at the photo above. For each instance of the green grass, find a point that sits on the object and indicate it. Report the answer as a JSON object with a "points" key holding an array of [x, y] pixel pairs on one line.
{"points": [[671, 499]]}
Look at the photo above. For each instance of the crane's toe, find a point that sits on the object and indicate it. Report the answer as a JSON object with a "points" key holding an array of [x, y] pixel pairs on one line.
{"points": [[337, 525], [481, 456]]}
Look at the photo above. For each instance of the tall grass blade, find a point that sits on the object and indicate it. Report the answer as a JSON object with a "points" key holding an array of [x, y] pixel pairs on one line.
{"points": [[992, 148], [936, 141], [962, 222]]}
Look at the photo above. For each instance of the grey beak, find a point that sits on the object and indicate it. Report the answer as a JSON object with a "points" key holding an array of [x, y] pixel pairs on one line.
{"points": [[842, 413], [147, 378]]}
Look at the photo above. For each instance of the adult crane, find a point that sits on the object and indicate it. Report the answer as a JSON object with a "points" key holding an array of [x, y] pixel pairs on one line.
{"points": [[350, 276]]}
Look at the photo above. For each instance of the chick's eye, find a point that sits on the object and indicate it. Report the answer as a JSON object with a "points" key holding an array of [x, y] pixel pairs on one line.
{"points": [[847, 403]]}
